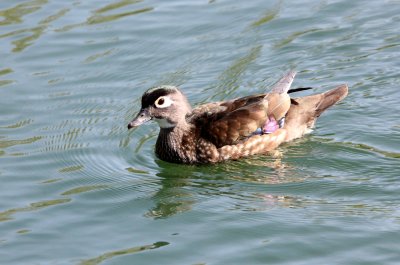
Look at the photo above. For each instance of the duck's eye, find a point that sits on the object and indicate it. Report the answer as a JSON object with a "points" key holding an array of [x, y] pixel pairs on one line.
{"points": [[160, 101], [163, 102]]}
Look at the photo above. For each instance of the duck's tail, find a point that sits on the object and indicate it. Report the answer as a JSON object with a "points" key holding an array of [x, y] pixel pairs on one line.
{"points": [[304, 111]]}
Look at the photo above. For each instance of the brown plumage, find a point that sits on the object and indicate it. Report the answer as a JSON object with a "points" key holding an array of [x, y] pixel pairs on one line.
{"points": [[219, 131]]}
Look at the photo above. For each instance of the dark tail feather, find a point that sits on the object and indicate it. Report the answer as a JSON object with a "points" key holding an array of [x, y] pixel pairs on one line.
{"points": [[293, 90]]}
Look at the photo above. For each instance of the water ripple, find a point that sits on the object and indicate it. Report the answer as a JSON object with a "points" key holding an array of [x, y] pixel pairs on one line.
{"points": [[364, 147], [36, 32], [9, 143], [267, 16], [128, 251], [294, 36], [229, 80], [97, 17], [15, 14], [6, 71], [83, 189], [7, 215]]}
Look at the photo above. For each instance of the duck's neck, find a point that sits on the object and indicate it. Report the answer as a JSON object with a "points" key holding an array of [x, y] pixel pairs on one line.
{"points": [[177, 144]]}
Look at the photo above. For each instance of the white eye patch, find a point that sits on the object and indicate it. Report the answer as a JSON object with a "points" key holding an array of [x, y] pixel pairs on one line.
{"points": [[163, 102]]}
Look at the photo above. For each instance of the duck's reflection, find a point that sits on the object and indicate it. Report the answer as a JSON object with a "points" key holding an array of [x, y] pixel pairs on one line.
{"points": [[247, 185], [174, 196]]}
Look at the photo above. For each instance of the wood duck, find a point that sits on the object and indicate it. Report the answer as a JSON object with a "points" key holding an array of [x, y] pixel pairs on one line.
{"points": [[219, 131]]}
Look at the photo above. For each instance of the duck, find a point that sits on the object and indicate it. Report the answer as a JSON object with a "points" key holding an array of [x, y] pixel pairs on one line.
{"points": [[233, 129]]}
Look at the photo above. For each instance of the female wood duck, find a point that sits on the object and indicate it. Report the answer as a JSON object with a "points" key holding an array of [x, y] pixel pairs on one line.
{"points": [[218, 131]]}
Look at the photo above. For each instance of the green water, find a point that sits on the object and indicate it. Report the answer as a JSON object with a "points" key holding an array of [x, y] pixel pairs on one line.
{"points": [[78, 188]]}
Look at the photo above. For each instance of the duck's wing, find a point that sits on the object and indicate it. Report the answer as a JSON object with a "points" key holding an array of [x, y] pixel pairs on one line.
{"points": [[304, 111], [283, 84], [230, 127]]}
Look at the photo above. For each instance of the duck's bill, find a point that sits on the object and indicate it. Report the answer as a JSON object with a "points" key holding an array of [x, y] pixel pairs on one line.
{"points": [[142, 117]]}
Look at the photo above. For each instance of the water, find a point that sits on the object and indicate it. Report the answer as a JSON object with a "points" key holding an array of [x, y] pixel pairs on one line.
{"points": [[78, 188]]}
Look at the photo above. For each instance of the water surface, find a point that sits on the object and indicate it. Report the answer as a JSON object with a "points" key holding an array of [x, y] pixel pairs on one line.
{"points": [[78, 188]]}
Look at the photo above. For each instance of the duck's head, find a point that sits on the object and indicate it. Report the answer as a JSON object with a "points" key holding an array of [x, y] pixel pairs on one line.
{"points": [[165, 104]]}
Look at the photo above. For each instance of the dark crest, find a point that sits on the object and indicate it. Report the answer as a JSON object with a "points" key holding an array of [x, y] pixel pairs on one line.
{"points": [[151, 95]]}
